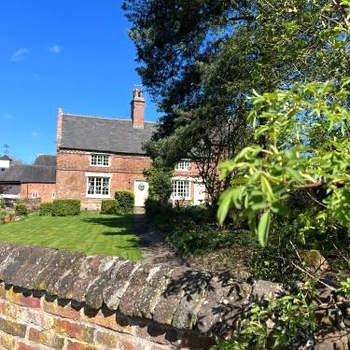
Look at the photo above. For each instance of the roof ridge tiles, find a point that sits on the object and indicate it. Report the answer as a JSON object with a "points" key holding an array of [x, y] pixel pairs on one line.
{"points": [[101, 117]]}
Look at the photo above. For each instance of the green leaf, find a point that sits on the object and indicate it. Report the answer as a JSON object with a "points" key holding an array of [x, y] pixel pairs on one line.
{"points": [[279, 209], [266, 187], [225, 203], [264, 228]]}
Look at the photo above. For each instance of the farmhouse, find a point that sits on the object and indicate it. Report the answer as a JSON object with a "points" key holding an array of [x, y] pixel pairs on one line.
{"points": [[29, 181], [97, 156]]}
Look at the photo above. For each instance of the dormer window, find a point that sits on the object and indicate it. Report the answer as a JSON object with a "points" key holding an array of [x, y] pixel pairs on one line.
{"points": [[183, 165], [99, 160]]}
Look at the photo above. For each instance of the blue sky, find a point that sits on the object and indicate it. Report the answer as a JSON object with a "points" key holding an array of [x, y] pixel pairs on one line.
{"points": [[73, 54]]}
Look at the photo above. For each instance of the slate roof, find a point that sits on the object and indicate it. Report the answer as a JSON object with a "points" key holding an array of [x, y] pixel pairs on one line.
{"points": [[45, 159], [104, 134], [5, 157], [28, 174]]}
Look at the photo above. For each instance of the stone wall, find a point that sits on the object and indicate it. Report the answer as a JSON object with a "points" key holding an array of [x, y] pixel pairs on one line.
{"points": [[51, 299]]}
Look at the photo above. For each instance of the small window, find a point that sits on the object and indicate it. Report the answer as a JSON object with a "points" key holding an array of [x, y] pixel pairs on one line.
{"points": [[183, 164], [99, 160], [98, 186], [181, 189], [53, 195], [35, 194]]}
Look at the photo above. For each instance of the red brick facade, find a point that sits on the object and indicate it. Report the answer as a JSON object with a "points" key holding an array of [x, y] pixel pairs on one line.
{"points": [[126, 165], [73, 167], [46, 192]]}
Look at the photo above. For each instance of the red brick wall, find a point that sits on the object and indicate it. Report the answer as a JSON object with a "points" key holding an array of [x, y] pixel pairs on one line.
{"points": [[72, 166], [125, 169], [39, 322], [44, 191], [55, 299]]}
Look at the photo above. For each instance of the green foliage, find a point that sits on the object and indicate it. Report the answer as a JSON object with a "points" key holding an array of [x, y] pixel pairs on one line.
{"points": [[201, 68], [124, 202], [345, 288], [273, 263], [160, 183], [2, 203], [109, 206], [307, 145], [21, 209], [153, 207], [286, 322], [65, 207], [189, 229], [46, 209]]}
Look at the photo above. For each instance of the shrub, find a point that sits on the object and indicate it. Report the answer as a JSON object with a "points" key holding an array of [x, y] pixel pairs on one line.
{"points": [[2, 203], [152, 207], [160, 183], [109, 206], [21, 209], [124, 202], [65, 207], [46, 209]]}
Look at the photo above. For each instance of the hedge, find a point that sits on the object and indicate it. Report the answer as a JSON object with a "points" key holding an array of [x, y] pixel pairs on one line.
{"points": [[65, 207], [109, 206], [2, 203], [21, 209], [124, 202], [46, 209]]}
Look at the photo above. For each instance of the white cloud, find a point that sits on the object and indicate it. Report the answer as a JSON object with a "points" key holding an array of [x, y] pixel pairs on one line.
{"points": [[55, 48], [35, 134], [7, 116], [20, 54]]}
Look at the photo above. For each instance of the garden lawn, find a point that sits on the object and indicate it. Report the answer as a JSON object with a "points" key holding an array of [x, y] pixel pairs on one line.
{"points": [[92, 234]]}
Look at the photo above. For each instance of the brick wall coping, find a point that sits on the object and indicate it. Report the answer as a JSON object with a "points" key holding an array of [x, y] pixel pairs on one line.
{"points": [[171, 296]]}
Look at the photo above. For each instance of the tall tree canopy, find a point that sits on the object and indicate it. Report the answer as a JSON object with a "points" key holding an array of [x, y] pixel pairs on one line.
{"points": [[201, 59]]}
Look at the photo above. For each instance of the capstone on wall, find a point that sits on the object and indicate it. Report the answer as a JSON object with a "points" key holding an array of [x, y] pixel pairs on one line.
{"points": [[54, 299]]}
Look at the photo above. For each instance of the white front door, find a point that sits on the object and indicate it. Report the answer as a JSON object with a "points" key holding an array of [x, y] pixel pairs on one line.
{"points": [[140, 192], [199, 194]]}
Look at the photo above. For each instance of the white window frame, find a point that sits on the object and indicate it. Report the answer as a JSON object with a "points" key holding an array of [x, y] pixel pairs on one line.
{"points": [[102, 176], [177, 184], [183, 165], [35, 194], [53, 195], [100, 160]]}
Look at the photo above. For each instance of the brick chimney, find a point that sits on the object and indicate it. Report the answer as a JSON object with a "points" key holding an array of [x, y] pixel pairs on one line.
{"points": [[137, 109], [59, 128]]}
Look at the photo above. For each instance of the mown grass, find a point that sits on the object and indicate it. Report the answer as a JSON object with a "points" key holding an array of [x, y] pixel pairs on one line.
{"points": [[92, 234]]}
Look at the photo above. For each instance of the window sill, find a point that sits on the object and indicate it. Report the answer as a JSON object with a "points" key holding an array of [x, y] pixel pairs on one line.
{"points": [[100, 166], [181, 198], [98, 196]]}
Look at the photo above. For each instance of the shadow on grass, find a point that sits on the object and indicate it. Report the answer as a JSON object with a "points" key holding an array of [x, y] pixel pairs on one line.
{"points": [[123, 224]]}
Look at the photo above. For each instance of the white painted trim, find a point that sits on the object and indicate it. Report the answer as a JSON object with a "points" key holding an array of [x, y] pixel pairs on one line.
{"points": [[182, 178], [98, 196], [187, 178], [100, 154], [98, 174], [184, 160], [9, 196]]}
